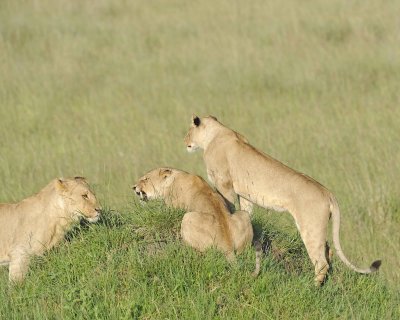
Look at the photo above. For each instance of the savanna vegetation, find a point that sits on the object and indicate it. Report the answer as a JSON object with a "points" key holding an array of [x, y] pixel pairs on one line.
{"points": [[106, 89]]}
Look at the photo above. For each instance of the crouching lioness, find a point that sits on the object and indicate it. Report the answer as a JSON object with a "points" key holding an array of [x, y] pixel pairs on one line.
{"points": [[238, 169], [208, 222], [38, 223]]}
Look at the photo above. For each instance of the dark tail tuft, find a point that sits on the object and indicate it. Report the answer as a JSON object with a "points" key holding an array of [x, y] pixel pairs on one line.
{"points": [[375, 265]]}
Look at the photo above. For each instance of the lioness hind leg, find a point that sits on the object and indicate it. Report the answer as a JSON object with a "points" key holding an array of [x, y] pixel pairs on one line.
{"points": [[201, 231], [321, 269], [195, 230], [312, 220], [18, 266], [315, 243], [242, 230], [316, 252]]}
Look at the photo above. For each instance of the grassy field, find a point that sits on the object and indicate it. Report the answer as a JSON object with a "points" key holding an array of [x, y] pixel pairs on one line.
{"points": [[106, 89]]}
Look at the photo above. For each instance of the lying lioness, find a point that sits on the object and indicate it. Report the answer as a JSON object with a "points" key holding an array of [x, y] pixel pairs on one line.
{"points": [[38, 223], [238, 169], [208, 222]]}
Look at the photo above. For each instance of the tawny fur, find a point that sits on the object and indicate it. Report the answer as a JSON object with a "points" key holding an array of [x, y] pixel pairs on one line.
{"points": [[208, 221], [236, 168], [38, 223]]}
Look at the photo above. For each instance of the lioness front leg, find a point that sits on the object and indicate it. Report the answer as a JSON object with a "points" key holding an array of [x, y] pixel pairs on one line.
{"points": [[245, 205], [19, 264], [225, 188]]}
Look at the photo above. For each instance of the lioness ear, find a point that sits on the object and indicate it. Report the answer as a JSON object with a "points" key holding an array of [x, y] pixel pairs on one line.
{"points": [[195, 120], [165, 173], [80, 179], [212, 117], [60, 184]]}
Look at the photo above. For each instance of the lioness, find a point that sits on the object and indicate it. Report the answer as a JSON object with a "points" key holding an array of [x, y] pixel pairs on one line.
{"points": [[38, 223], [208, 221], [236, 168]]}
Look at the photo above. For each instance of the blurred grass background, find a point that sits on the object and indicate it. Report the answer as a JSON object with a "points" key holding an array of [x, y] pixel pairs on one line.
{"points": [[106, 89]]}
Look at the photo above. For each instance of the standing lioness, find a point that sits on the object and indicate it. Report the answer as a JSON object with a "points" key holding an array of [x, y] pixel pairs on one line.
{"points": [[38, 223], [208, 222], [237, 168]]}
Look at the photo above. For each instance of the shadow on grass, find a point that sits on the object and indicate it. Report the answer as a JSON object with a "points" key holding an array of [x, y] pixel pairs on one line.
{"points": [[109, 218], [283, 247]]}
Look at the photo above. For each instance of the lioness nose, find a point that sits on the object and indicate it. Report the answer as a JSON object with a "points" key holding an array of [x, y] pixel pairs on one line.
{"points": [[98, 210], [136, 191]]}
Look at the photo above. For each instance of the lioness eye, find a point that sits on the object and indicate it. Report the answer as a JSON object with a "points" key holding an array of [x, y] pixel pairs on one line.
{"points": [[85, 196]]}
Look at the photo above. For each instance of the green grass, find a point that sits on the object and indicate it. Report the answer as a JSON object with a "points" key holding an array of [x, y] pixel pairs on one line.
{"points": [[106, 90], [132, 266]]}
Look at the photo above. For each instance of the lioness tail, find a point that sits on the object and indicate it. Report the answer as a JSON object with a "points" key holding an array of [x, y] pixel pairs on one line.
{"points": [[334, 208], [258, 249]]}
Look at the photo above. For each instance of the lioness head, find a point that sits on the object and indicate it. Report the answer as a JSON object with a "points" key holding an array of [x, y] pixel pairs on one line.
{"points": [[77, 199], [152, 184], [200, 132]]}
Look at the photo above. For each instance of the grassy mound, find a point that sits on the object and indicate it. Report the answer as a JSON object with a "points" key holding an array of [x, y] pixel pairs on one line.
{"points": [[132, 265]]}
